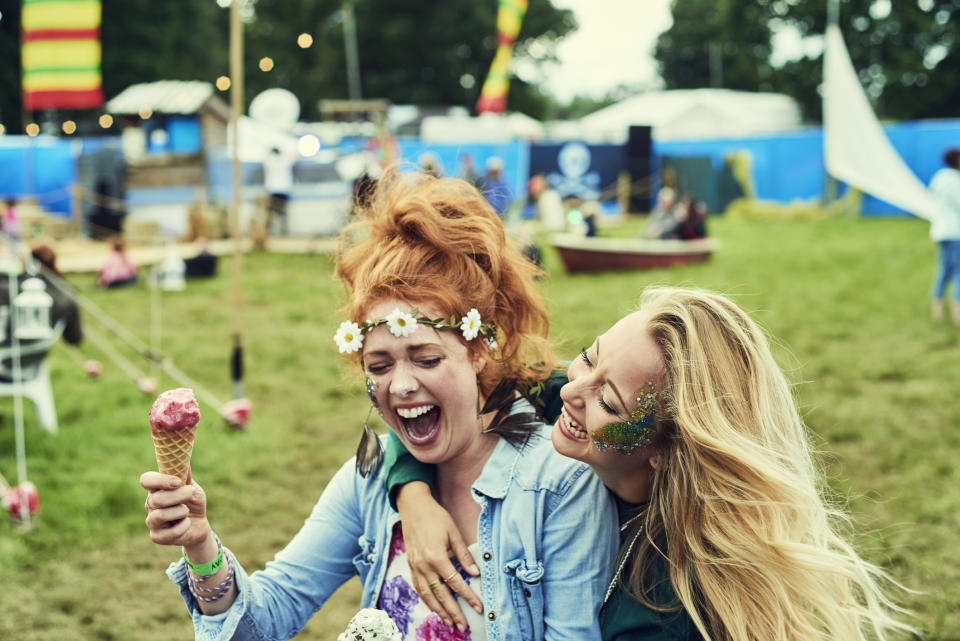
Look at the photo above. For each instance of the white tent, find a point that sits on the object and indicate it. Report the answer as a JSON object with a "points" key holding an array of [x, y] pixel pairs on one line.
{"points": [[487, 127], [692, 114]]}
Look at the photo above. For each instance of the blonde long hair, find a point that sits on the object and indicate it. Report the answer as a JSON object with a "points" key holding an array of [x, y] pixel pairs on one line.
{"points": [[737, 508]]}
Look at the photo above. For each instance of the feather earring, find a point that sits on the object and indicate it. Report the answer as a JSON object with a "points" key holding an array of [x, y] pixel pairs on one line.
{"points": [[479, 399], [369, 452], [515, 427]]}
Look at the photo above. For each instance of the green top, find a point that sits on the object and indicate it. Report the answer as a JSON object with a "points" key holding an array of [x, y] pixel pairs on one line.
{"points": [[624, 619]]}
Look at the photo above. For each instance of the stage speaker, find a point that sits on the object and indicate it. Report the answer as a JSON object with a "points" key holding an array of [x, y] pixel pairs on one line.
{"points": [[638, 162]]}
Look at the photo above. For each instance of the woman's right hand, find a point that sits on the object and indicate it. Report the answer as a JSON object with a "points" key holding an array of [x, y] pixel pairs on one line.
{"points": [[176, 511]]}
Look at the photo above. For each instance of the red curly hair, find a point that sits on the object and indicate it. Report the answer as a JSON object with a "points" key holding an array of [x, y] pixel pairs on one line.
{"points": [[437, 241]]}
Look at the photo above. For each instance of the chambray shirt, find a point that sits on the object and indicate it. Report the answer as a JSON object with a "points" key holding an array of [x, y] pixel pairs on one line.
{"points": [[547, 535]]}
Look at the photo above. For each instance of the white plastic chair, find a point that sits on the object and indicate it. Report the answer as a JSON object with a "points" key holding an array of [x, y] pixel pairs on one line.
{"points": [[34, 376]]}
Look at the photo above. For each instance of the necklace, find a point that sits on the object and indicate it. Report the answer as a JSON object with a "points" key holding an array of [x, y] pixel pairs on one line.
{"points": [[626, 555]]}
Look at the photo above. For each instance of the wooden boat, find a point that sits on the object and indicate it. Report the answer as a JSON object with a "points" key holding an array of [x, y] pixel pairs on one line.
{"points": [[583, 254]]}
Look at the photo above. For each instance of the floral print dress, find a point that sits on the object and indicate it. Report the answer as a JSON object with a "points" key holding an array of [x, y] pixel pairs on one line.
{"points": [[414, 619]]}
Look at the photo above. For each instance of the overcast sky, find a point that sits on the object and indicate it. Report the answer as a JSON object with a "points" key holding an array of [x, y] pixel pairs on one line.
{"points": [[615, 41], [614, 45]]}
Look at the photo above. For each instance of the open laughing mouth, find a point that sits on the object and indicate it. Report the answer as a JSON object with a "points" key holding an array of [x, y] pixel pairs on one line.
{"points": [[421, 423], [570, 427]]}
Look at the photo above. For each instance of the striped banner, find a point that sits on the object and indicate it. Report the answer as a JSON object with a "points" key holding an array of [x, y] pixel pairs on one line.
{"points": [[493, 96], [61, 54]]}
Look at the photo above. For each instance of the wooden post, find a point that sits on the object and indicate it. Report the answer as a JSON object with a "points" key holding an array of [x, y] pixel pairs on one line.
{"points": [[236, 110]]}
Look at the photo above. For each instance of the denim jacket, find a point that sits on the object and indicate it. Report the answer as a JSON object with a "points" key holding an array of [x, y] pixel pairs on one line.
{"points": [[547, 535]]}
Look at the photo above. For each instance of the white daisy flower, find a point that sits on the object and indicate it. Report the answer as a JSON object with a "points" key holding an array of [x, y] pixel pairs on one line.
{"points": [[348, 338], [400, 324], [470, 324]]}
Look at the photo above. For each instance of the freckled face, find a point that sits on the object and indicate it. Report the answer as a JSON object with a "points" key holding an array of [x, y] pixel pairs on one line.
{"points": [[605, 383], [425, 384]]}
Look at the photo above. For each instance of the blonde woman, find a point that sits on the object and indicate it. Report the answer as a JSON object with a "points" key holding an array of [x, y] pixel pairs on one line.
{"points": [[682, 412]]}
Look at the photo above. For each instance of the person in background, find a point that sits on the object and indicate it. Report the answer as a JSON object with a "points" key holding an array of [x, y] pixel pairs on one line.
{"points": [[495, 188], [203, 264], [11, 223], [945, 230], [118, 270], [65, 312], [469, 173], [450, 330], [693, 222], [591, 211], [662, 218], [278, 181], [64, 305], [548, 204]]}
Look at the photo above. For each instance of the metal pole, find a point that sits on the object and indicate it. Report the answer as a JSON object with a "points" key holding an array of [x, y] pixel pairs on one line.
{"points": [[353, 59], [833, 12], [236, 110], [20, 438], [715, 50], [831, 187], [156, 322]]}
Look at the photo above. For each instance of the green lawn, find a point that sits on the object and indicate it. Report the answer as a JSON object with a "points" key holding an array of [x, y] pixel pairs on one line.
{"points": [[846, 299]]}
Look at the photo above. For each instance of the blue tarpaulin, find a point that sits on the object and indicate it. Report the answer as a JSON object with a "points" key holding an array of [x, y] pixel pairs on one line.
{"points": [[785, 167]]}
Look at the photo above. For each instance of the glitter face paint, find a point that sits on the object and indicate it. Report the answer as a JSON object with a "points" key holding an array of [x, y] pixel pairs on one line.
{"points": [[372, 392], [628, 436]]}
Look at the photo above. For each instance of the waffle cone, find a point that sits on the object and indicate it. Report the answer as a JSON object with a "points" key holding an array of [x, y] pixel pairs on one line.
{"points": [[173, 448]]}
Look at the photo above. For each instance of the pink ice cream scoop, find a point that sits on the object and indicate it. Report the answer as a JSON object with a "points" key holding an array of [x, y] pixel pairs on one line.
{"points": [[173, 425], [174, 410]]}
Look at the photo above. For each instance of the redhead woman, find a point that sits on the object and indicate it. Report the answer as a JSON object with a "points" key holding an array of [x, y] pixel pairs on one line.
{"points": [[443, 318], [682, 412]]}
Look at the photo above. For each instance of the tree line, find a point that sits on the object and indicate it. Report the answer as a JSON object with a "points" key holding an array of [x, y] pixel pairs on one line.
{"points": [[438, 53]]}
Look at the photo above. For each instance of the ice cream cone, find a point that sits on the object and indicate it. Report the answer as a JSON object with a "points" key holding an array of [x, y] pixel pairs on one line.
{"points": [[173, 425], [173, 449]]}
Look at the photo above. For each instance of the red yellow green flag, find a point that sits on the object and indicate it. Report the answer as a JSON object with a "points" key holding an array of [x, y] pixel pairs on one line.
{"points": [[493, 96], [61, 54]]}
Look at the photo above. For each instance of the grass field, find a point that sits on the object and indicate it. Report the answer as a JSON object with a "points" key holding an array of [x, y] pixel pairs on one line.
{"points": [[847, 300]]}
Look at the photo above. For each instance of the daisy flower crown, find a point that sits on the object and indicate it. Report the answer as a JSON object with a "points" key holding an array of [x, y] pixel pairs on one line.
{"points": [[349, 336]]}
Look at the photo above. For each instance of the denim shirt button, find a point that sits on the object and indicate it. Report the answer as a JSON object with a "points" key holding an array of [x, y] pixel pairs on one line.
{"points": [[492, 616], [486, 556], [526, 592]]}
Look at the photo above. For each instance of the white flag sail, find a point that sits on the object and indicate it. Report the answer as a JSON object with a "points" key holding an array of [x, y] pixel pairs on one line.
{"points": [[855, 148]]}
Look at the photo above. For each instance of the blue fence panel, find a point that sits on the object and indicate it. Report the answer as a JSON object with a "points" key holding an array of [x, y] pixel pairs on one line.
{"points": [[515, 156], [184, 132], [784, 167], [13, 169], [41, 167]]}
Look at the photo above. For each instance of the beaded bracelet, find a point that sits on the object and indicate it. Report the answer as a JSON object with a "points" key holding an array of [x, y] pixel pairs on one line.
{"points": [[218, 591], [207, 569]]}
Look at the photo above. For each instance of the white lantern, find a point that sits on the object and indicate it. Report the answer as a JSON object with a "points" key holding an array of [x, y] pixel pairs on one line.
{"points": [[32, 306], [173, 273]]}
